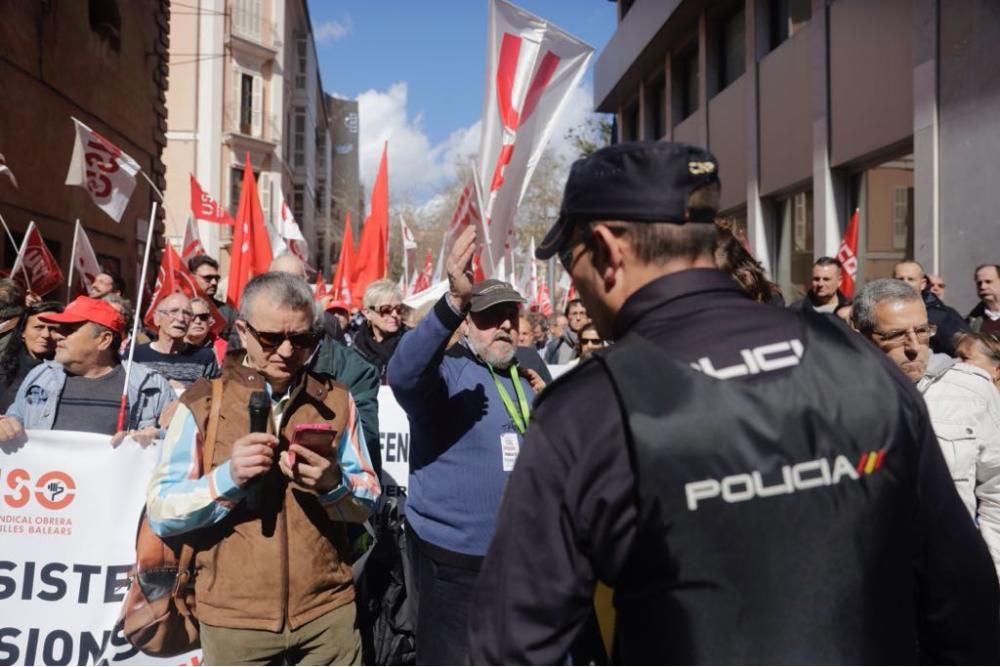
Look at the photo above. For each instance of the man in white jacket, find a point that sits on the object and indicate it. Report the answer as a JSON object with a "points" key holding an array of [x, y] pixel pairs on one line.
{"points": [[963, 403]]}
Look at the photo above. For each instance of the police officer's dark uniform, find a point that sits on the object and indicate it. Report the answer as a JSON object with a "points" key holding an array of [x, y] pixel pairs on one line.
{"points": [[799, 512]]}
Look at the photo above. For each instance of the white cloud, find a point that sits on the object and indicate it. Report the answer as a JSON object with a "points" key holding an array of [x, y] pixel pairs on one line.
{"points": [[418, 169], [331, 31]]}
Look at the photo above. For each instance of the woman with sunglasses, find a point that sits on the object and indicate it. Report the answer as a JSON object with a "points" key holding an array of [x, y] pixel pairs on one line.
{"points": [[31, 343], [383, 311], [200, 331]]}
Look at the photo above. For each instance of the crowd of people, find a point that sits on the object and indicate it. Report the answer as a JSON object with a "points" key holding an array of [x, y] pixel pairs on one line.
{"points": [[755, 483]]}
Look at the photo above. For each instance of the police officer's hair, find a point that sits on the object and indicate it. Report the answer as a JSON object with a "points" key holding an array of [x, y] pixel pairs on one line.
{"points": [[874, 293], [381, 291], [660, 242], [282, 289]]}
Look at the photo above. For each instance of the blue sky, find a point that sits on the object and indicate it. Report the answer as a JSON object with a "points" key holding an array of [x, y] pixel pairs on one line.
{"points": [[417, 69]]}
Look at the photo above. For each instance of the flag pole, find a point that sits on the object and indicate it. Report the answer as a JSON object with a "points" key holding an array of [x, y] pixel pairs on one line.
{"points": [[17, 251], [72, 261], [482, 218], [138, 315]]}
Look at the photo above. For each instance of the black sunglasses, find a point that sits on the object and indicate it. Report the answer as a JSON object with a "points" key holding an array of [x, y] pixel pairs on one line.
{"points": [[202, 317], [272, 340]]}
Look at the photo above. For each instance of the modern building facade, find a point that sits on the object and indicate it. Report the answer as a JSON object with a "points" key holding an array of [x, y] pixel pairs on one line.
{"points": [[818, 108], [346, 191], [105, 63], [244, 80]]}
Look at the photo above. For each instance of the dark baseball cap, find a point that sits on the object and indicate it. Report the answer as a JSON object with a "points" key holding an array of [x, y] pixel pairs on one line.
{"points": [[488, 293], [640, 181]]}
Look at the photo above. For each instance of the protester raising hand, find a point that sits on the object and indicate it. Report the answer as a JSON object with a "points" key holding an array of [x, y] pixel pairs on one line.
{"points": [[459, 266]]}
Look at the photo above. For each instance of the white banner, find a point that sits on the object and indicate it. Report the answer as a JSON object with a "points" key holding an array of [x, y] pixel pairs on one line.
{"points": [[69, 510], [394, 442], [103, 169], [531, 67]]}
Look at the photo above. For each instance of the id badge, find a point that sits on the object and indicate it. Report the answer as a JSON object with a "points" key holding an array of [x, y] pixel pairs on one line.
{"points": [[510, 447]]}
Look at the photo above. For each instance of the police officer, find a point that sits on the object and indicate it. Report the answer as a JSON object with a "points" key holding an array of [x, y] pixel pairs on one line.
{"points": [[756, 485]]}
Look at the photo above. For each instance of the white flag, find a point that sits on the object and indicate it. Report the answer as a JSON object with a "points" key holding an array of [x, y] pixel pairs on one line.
{"points": [[291, 234], [103, 169], [409, 247], [85, 265], [532, 66]]}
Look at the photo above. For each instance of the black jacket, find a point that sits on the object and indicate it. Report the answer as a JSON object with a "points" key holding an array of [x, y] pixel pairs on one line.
{"points": [[807, 303], [570, 515], [377, 352], [949, 324]]}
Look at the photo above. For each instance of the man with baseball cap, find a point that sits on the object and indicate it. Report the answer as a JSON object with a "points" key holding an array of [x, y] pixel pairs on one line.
{"points": [[468, 407], [755, 485], [81, 389]]}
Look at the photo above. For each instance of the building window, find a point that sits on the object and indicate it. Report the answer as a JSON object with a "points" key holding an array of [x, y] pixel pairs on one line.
{"points": [[106, 21], [886, 204], [299, 139], [265, 197], [732, 48], [787, 17], [902, 216], [235, 186], [796, 244], [301, 49], [246, 19], [687, 84], [656, 117], [246, 103], [299, 202], [320, 150]]}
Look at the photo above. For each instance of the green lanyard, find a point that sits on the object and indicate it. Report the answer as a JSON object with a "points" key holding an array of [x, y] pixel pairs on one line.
{"points": [[520, 419]]}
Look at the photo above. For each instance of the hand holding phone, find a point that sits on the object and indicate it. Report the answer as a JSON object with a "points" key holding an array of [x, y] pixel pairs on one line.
{"points": [[316, 437]]}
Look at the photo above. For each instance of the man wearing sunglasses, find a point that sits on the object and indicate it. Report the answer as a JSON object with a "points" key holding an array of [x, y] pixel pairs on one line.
{"points": [[468, 407], [963, 404], [740, 475], [206, 271], [273, 585], [179, 361]]}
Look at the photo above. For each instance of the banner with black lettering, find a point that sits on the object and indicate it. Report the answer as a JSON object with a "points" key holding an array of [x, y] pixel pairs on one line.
{"points": [[394, 442], [69, 509]]}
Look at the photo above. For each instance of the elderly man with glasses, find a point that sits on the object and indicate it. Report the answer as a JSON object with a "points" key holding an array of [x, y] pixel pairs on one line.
{"points": [[964, 405], [273, 583], [171, 354]]}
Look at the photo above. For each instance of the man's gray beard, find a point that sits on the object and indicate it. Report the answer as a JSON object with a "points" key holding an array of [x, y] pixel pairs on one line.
{"points": [[498, 362]]}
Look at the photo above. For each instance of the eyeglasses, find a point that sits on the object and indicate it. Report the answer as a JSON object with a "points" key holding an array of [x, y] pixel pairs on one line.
{"points": [[203, 317], [387, 310], [176, 313], [272, 340], [210, 277], [897, 337], [596, 342]]}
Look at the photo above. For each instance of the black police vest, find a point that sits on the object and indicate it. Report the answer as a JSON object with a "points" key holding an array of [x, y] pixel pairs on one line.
{"points": [[775, 517]]}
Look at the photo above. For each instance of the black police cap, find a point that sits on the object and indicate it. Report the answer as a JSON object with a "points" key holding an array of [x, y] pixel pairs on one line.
{"points": [[641, 181]]}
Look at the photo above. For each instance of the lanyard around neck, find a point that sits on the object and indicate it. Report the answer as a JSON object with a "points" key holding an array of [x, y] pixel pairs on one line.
{"points": [[520, 418]]}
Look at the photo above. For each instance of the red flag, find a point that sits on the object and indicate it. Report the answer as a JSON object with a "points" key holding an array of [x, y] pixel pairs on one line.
{"points": [[250, 253], [320, 290], [35, 267], [175, 277], [192, 244], [203, 207], [422, 280], [847, 255], [477, 269], [372, 251], [341, 285]]}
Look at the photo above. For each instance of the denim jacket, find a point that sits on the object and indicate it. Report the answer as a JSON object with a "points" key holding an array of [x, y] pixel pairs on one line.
{"points": [[148, 393]]}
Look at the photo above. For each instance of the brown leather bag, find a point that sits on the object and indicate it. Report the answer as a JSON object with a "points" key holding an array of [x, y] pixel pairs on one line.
{"points": [[159, 613]]}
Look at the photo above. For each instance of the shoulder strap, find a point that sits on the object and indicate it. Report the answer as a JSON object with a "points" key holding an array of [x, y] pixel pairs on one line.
{"points": [[187, 551]]}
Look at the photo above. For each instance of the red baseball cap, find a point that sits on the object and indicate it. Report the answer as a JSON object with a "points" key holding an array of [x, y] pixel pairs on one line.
{"points": [[339, 305], [86, 309]]}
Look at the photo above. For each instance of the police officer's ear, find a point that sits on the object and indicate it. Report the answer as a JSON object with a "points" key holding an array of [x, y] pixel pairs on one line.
{"points": [[606, 250]]}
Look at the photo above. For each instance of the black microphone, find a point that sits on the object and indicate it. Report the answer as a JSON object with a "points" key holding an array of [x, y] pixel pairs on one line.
{"points": [[259, 409]]}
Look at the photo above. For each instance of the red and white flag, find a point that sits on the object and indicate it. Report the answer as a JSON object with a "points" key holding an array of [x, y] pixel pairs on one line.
{"points": [[175, 277], [422, 279], [541, 301], [5, 171], [203, 207], [847, 255], [35, 267], [83, 260], [103, 169], [192, 244], [532, 66], [320, 291], [290, 234]]}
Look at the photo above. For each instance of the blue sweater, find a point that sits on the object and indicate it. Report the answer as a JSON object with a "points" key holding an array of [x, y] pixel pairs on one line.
{"points": [[456, 420]]}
